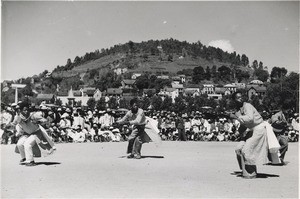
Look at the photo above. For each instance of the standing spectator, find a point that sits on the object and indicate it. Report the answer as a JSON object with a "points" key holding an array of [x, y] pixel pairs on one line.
{"points": [[181, 129], [187, 126], [107, 119], [279, 124], [295, 122], [6, 119]]}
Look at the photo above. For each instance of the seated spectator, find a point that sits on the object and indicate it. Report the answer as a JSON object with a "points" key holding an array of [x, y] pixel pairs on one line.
{"points": [[93, 134], [117, 135], [79, 135], [220, 136], [125, 132], [293, 137]]}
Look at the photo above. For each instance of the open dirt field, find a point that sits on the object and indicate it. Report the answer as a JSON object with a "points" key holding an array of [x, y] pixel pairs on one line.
{"points": [[170, 170]]}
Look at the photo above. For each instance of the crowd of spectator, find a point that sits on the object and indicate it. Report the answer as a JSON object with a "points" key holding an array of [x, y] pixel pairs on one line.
{"points": [[65, 124]]}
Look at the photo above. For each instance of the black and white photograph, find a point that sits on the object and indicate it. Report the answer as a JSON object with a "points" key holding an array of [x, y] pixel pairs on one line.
{"points": [[149, 99]]}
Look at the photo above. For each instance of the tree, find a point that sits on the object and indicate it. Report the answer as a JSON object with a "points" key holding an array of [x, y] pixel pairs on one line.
{"points": [[237, 60], [170, 58], [166, 103], [179, 105], [214, 71], [68, 66], [27, 90], [198, 74], [156, 102], [77, 60], [112, 103], [161, 83], [73, 82], [242, 75], [131, 46], [255, 65], [260, 66], [123, 103], [91, 103], [277, 73], [145, 103], [261, 75], [244, 60], [224, 73], [207, 73], [100, 104], [142, 82], [284, 92]]}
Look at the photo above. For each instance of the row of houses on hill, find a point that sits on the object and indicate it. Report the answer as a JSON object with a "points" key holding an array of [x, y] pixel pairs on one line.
{"points": [[127, 90]]}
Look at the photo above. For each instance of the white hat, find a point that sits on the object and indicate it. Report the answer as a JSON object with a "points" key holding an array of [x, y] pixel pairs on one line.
{"points": [[116, 130], [64, 115], [43, 108]]}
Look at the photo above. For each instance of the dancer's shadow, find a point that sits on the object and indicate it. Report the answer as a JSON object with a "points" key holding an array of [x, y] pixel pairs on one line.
{"points": [[259, 175], [281, 164], [151, 156], [145, 156], [47, 163]]}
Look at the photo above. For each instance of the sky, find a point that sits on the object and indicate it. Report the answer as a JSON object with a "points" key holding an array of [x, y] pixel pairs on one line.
{"points": [[40, 35]]}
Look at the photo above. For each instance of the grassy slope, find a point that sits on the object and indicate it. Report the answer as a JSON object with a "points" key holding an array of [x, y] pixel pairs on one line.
{"points": [[152, 64]]}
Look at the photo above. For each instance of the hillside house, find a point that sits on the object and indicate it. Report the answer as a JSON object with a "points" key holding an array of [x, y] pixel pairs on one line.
{"points": [[229, 89], [258, 90], [220, 90], [128, 83], [135, 75], [256, 82], [192, 92], [215, 96], [120, 71], [177, 86], [148, 92], [208, 88], [170, 92], [113, 92], [239, 85], [48, 98], [163, 77], [82, 95], [179, 78]]}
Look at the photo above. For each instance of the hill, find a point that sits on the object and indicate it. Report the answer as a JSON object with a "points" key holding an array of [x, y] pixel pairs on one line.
{"points": [[154, 57]]}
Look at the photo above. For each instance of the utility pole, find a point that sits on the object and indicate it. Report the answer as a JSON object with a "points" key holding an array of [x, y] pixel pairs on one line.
{"points": [[16, 86]]}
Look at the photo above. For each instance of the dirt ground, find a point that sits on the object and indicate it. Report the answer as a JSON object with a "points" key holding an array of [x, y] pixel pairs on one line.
{"points": [[170, 170]]}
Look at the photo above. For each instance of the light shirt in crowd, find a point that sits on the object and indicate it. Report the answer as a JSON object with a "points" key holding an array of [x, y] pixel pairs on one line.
{"points": [[6, 118], [78, 120], [106, 120]]}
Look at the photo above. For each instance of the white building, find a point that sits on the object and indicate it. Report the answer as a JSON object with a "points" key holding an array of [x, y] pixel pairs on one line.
{"points": [[171, 92], [229, 89], [83, 95], [208, 88]]}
